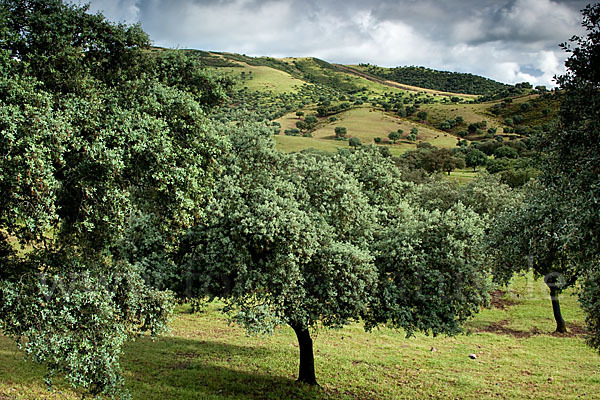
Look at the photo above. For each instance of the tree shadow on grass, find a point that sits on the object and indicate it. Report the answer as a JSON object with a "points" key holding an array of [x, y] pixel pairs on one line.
{"points": [[174, 368]]}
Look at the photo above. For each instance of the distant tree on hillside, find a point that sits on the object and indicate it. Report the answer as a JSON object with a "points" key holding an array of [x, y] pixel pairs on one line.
{"points": [[340, 132], [441, 160], [311, 119], [475, 158], [355, 142], [393, 136], [506, 152]]}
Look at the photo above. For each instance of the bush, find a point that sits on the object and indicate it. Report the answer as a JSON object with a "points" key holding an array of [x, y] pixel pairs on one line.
{"points": [[355, 142], [311, 119], [292, 132], [340, 131], [506, 152]]}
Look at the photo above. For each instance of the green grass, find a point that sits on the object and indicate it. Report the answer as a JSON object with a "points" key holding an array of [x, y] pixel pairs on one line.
{"points": [[463, 175], [291, 144], [206, 358], [262, 79], [363, 122]]}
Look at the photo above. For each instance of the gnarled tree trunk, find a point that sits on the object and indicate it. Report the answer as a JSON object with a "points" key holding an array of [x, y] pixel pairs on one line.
{"points": [[561, 327], [306, 372]]}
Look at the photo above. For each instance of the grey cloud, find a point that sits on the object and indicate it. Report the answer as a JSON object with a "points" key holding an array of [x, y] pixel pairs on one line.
{"points": [[508, 40]]}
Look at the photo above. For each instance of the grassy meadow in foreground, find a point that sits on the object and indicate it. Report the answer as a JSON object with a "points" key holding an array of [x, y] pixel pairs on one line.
{"points": [[204, 357]]}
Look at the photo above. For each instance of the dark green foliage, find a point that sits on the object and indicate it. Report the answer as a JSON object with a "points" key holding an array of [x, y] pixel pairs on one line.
{"points": [[475, 158], [292, 132], [506, 152], [445, 126], [431, 274], [340, 131], [557, 225], [572, 168], [211, 60], [517, 177], [439, 80], [112, 157], [393, 136], [311, 120], [528, 236], [355, 142], [423, 284], [286, 241], [532, 114], [432, 159]]}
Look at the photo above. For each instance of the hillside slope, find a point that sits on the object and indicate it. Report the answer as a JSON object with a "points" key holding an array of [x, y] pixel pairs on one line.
{"points": [[369, 104]]}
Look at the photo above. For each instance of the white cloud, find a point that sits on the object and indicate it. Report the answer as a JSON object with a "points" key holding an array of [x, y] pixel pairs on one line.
{"points": [[126, 11]]}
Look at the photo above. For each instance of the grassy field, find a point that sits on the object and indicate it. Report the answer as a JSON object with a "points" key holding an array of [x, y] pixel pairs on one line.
{"points": [[365, 123], [463, 175], [261, 78], [206, 358]]}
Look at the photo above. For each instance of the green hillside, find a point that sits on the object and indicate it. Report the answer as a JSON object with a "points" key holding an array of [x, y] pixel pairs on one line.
{"points": [[370, 102]]}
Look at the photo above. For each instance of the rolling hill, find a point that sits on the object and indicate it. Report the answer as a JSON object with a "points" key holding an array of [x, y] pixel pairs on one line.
{"points": [[371, 101]]}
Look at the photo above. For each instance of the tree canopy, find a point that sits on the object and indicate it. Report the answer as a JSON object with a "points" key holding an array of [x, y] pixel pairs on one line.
{"points": [[105, 155], [286, 241]]}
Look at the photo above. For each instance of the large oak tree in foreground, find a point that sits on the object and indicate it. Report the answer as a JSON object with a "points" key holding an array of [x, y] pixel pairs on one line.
{"points": [[286, 241], [313, 239], [105, 157]]}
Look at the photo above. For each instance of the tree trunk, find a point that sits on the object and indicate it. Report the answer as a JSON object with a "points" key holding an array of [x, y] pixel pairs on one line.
{"points": [[306, 372], [561, 327]]}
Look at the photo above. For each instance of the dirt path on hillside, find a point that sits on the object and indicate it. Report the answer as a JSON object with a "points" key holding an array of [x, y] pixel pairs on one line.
{"points": [[372, 78]]}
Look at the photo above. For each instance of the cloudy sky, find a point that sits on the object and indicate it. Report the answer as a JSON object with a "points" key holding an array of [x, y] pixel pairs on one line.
{"points": [[506, 40]]}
